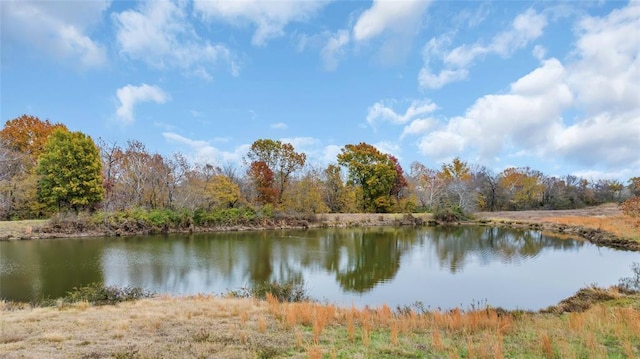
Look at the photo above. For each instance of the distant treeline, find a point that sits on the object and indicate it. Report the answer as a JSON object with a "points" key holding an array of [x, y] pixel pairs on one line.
{"points": [[45, 168]]}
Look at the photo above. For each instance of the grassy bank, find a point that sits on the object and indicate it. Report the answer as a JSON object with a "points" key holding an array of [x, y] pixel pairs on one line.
{"points": [[209, 326], [141, 221]]}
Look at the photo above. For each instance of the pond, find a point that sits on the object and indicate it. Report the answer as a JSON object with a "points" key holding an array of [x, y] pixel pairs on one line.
{"points": [[439, 267]]}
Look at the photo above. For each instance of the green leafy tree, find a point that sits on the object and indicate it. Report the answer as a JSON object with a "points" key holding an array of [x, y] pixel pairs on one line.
{"points": [[71, 171], [373, 172], [280, 158]]}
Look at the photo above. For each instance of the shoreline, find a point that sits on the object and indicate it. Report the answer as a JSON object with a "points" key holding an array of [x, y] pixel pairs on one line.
{"points": [[588, 225]]}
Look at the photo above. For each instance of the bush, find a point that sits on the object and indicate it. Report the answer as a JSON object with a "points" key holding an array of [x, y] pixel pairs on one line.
{"points": [[284, 292], [631, 208], [632, 283], [98, 294], [450, 214]]}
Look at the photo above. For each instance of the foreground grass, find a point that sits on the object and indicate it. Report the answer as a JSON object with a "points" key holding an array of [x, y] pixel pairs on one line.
{"points": [[208, 326]]}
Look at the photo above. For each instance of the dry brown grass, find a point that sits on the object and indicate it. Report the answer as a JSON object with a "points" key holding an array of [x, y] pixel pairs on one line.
{"points": [[199, 326], [621, 226], [20, 229], [203, 326]]}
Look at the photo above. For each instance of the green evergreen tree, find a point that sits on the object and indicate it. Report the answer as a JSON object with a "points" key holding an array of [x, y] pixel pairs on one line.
{"points": [[70, 172]]}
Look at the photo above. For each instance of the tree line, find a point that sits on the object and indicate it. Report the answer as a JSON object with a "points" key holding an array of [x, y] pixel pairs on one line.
{"points": [[45, 169]]}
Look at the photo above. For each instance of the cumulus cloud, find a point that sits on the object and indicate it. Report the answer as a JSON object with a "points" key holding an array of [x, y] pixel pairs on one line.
{"points": [[380, 112], [269, 17], [417, 127], [160, 34], [61, 29], [130, 95], [598, 86], [525, 116], [388, 15], [525, 28], [330, 153]]}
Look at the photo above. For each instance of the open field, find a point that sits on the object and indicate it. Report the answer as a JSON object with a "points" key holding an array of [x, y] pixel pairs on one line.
{"points": [[214, 327], [606, 223]]}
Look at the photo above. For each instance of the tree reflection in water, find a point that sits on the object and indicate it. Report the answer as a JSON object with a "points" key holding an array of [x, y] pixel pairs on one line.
{"points": [[358, 259]]}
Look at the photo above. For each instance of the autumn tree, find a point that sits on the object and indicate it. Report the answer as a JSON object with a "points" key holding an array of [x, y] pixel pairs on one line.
{"points": [[28, 135], [523, 188], [486, 184], [398, 189], [634, 186], [373, 172], [21, 141], [280, 158], [70, 170], [457, 176], [428, 186], [334, 189], [263, 180], [305, 194]]}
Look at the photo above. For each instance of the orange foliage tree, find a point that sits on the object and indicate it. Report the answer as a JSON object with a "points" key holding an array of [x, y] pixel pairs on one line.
{"points": [[28, 135]]}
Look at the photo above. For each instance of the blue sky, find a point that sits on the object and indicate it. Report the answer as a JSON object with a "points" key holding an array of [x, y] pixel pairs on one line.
{"points": [[550, 85]]}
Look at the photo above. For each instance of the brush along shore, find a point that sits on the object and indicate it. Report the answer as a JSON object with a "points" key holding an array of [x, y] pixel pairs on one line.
{"points": [[595, 323], [603, 225]]}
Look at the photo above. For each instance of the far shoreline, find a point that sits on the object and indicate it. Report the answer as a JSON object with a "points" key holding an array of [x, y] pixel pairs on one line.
{"points": [[588, 224]]}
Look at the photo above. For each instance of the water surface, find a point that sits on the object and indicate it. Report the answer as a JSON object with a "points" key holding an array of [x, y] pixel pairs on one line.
{"points": [[440, 267]]}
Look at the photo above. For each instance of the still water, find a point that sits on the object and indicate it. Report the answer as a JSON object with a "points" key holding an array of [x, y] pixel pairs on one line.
{"points": [[440, 267]]}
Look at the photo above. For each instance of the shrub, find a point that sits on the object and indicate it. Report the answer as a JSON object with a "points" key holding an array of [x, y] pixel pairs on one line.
{"points": [[284, 292], [631, 208], [450, 214], [632, 283], [98, 294]]}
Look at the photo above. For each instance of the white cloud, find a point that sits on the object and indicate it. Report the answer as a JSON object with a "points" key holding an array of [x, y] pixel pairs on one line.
{"points": [[330, 153], [279, 126], [269, 17], [334, 49], [160, 34], [441, 145], [58, 28], [598, 86], [606, 76], [539, 52], [302, 143], [379, 112], [526, 116], [426, 79], [418, 126], [202, 152], [388, 147], [525, 28], [384, 15], [130, 95]]}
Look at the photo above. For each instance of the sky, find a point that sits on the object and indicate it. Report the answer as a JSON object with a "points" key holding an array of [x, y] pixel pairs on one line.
{"points": [[552, 85]]}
